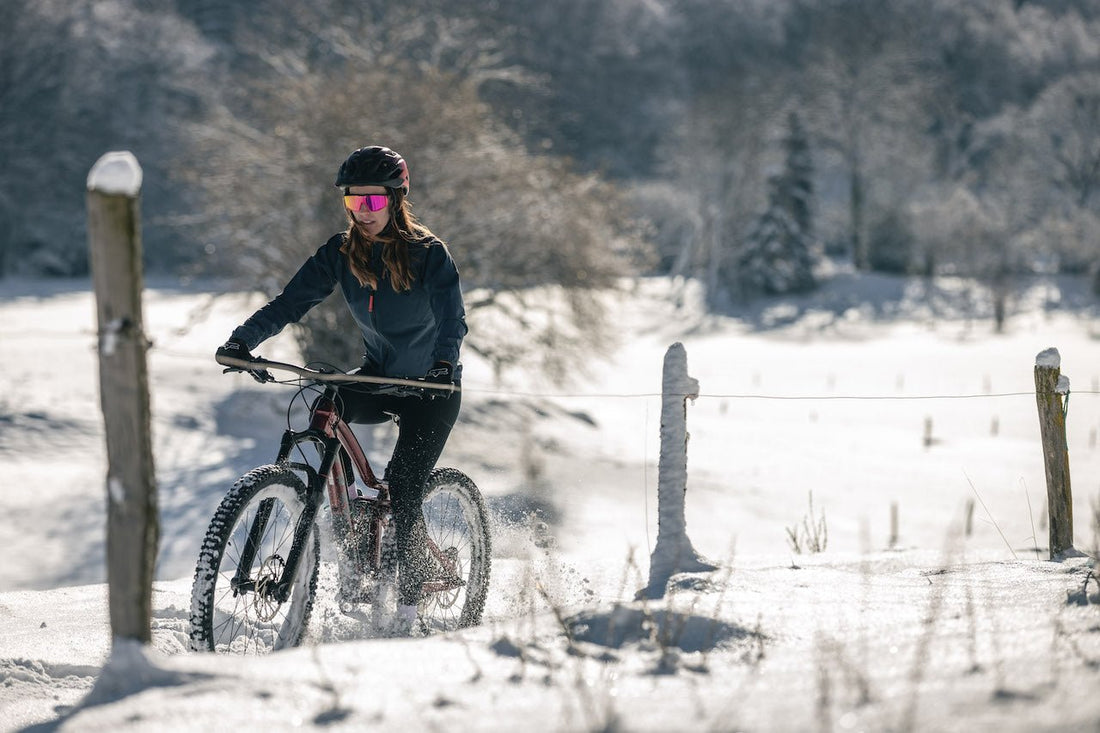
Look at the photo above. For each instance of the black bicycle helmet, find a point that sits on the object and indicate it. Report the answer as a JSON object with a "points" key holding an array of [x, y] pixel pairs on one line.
{"points": [[374, 166]]}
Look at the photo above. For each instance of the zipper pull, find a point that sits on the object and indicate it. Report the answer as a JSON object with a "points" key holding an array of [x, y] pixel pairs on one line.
{"points": [[370, 304]]}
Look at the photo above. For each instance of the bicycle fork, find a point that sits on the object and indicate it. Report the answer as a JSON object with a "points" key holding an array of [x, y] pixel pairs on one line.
{"points": [[279, 590]]}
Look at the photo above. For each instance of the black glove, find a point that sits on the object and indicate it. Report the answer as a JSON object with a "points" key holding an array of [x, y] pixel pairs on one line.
{"points": [[235, 348], [441, 373]]}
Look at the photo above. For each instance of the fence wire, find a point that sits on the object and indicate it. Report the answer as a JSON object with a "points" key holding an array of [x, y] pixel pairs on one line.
{"points": [[747, 396]]}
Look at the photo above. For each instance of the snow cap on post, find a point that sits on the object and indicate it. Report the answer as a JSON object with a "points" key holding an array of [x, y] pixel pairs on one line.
{"points": [[116, 174], [1049, 358]]}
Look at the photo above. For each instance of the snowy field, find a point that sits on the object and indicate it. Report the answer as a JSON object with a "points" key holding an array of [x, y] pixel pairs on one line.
{"points": [[856, 396]]}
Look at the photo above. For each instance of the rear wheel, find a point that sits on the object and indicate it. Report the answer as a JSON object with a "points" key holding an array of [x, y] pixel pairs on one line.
{"points": [[459, 553], [237, 605]]}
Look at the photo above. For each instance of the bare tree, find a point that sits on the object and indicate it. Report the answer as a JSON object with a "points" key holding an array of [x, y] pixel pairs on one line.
{"points": [[720, 155], [971, 233], [865, 91], [515, 222], [74, 83], [31, 74], [1070, 110]]}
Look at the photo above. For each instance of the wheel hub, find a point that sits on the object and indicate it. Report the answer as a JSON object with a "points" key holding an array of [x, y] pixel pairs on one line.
{"points": [[264, 602]]}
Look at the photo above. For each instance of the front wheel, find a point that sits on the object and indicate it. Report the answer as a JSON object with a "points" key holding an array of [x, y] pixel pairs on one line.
{"points": [[459, 549], [241, 601]]}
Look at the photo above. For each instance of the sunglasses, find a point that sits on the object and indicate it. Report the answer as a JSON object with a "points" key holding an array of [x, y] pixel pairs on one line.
{"points": [[370, 201]]}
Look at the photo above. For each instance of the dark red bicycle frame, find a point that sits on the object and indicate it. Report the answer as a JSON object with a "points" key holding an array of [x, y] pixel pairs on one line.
{"points": [[329, 430], [325, 420]]}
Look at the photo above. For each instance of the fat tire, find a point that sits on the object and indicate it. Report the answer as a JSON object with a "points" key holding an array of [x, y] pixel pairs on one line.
{"points": [[215, 568], [446, 490]]}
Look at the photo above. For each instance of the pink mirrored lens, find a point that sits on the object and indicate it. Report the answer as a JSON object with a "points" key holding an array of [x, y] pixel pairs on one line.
{"points": [[372, 202]]}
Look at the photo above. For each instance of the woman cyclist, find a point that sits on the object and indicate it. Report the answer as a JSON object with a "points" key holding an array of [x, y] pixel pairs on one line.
{"points": [[402, 288]]}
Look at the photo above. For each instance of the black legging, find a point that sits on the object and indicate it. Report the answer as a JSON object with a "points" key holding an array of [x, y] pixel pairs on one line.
{"points": [[423, 427]]}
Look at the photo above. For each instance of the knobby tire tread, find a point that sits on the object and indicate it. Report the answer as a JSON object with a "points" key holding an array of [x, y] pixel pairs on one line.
{"points": [[233, 505]]}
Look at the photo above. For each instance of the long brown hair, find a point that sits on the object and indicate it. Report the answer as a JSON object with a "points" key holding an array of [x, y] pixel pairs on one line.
{"points": [[402, 230]]}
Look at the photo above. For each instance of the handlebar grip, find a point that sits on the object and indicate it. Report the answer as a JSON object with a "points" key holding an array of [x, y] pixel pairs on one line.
{"points": [[231, 361]]}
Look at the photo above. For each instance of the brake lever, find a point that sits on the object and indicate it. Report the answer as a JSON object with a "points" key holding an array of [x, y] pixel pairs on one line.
{"points": [[262, 376]]}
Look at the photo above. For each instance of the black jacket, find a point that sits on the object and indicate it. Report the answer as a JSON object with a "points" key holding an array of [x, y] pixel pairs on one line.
{"points": [[403, 333]]}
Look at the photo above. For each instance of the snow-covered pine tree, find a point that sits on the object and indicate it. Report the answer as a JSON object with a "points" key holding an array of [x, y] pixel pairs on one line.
{"points": [[796, 185], [777, 255]]}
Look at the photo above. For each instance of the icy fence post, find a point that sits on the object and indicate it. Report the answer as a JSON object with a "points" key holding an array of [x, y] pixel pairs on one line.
{"points": [[114, 242], [1050, 389], [673, 552]]}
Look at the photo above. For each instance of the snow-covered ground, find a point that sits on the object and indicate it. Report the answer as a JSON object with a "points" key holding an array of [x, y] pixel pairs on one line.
{"points": [[854, 395]]}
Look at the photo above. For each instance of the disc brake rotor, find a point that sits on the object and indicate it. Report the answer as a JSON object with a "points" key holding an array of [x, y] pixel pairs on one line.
{"points": [[452, 573], [264, 602]]}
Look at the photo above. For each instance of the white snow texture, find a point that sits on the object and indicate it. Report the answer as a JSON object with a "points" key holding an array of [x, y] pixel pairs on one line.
{"points": [[950, 618]]}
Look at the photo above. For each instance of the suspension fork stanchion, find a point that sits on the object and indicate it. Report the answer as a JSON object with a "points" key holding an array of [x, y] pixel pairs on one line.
{"points": [[242, 581], [297, 549], [289, 440]]}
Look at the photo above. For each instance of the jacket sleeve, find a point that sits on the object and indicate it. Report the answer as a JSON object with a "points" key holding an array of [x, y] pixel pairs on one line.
{"points": [[313, 282], [441, 279]]}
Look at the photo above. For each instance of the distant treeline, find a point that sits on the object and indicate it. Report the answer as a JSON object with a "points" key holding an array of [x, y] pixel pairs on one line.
{"points": [[567, 141]]}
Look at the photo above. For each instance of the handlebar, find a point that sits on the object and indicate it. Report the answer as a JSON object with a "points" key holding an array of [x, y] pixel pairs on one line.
{"points": [[260, 363]]}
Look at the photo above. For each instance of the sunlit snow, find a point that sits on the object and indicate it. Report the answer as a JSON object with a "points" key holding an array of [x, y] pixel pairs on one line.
{"points": [[911, 427]]}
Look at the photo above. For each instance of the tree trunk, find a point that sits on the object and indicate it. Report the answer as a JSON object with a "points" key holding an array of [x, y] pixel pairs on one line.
{"points": [[860, 255]]}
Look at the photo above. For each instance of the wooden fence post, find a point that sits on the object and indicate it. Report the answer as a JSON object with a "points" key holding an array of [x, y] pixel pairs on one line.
{"points": [[114, 241], [673, 552], [893, 525], [1050, 389]]}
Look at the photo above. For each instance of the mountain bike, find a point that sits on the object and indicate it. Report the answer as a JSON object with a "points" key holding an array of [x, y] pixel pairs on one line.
{"points": [[257, 572]]}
